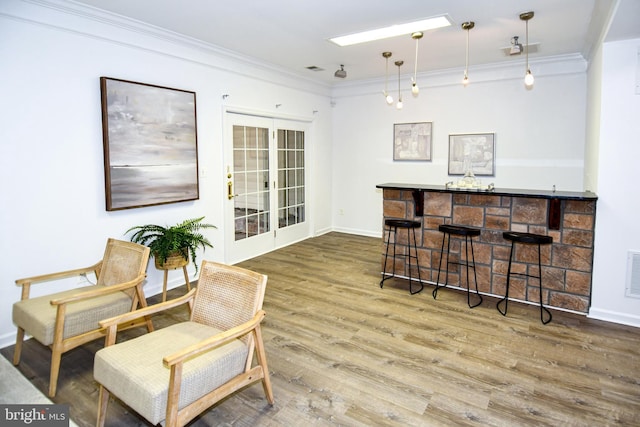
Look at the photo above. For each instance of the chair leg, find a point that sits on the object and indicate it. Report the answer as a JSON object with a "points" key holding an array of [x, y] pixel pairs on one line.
{"points": [[415, 251], [17, 351], [475, 276], [262, 361], [103, 401], [435, 291], [386, 253], [56, 356], [506, 293], [542, 307]]}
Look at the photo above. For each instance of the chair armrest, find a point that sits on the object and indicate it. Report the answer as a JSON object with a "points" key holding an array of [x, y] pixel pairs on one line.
{"points": [[99, 291], [113, 322], [215, 341], [56, 276]]}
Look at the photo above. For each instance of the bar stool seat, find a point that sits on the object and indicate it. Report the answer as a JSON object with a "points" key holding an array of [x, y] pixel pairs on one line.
{"points": [[393, 224], [531, 239], [468, 233]]}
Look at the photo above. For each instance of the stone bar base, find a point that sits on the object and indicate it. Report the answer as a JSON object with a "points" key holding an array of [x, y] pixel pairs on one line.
{"points": [[566, 264]]}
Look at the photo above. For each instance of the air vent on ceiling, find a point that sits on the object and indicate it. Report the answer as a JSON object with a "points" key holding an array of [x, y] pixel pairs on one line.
{"points": [[314, 68], [633, 274]]}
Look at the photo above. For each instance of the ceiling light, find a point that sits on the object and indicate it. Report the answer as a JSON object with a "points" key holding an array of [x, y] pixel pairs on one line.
{"points": [[341, 73], [467, 26], [399, 104], [393, 31], [528, 77], [388, 98], [415, 90]]}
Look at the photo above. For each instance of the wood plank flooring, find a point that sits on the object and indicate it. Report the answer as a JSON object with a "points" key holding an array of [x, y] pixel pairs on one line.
{"points": [[342, 351]]}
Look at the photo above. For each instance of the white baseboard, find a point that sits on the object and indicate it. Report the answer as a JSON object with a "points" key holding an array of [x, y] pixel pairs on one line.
{"points": [[614, 317]]}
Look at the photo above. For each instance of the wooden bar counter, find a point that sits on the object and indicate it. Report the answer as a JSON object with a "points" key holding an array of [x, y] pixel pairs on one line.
{"points": [[569, 217]]}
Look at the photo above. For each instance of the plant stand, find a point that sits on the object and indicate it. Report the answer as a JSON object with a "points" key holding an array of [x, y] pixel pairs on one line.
{"points": [[172, 263]]}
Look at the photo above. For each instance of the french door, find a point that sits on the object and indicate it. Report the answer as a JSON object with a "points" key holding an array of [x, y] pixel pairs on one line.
{"points": [[266, 179]]}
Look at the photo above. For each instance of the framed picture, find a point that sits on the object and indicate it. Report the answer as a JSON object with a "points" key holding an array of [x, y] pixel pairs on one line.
{"points": [[412, 141], [472, 151], [150, 144]]}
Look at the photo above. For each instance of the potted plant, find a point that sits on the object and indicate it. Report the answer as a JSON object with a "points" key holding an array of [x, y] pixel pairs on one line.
{"points": [[172, 246]]}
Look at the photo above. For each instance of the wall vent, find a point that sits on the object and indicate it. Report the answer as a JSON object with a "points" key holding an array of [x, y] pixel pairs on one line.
{"points": [[633, 274]]}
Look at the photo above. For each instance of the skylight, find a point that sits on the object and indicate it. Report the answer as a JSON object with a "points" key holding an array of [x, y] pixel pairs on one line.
{"points": [[393, 31]]}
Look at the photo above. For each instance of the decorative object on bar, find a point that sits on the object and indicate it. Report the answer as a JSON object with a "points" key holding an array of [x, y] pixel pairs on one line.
{"points": [[528, 77], [472, 154], [415, 90], [399, 104], [412, 141], [388, 98], [467, 26]]}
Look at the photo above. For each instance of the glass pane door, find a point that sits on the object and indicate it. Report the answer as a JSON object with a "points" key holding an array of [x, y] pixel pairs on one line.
{"points": [[291, 181], [251, 201]]}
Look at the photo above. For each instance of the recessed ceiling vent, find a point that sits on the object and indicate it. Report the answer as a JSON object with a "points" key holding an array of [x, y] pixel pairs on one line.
{"points": [[633, 274], [314, 68]]}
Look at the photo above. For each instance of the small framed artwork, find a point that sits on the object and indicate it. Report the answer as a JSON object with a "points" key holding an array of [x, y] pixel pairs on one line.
{"points": [[472, 151], [412, 141], [150, 144]]}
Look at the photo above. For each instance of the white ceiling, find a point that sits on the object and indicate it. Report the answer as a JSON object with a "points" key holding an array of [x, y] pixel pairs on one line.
{"points": [[293, 34]]}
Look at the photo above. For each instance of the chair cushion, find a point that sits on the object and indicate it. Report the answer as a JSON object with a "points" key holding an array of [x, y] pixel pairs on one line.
{"points": [[38, 317], [134, 372]]}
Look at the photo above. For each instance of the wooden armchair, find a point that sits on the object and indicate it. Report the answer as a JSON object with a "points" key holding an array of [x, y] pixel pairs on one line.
{"points": [[68, 319], [178, 372]]}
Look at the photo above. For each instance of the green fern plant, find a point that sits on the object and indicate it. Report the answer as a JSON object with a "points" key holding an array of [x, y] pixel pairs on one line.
{"points": [[184, 238]]}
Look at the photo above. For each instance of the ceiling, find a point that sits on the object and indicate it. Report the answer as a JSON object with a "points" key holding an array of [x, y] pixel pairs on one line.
{"points": [[293, 34]]}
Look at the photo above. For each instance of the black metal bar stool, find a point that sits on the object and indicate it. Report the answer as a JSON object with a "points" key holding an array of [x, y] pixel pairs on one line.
{"points": [[409, 225], [468, 233], [531, 239]]}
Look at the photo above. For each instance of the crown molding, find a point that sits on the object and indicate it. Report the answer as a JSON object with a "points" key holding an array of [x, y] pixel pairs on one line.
{"points": [[87, 21], [502, 71]]}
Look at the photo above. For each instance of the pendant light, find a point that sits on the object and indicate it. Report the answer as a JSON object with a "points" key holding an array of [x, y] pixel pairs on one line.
{"points": [[388, 98], [399, 104], [528, 77], [415, 90], [467, 26]]}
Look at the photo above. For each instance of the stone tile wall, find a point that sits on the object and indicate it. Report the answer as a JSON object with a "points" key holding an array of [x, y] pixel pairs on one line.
{"points": [[566, 264]]}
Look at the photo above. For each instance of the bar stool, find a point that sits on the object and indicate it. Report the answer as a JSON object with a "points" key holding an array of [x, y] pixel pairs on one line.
{"points": [[531, 239], [409, 225], [468, 233]]}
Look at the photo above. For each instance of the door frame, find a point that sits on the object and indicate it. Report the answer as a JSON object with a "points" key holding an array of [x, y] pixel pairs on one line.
{"points": [[232, 253]]}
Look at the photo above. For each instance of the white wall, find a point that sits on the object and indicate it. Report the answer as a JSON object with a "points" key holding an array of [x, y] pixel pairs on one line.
{"points": [[617, 225], [51, 170], [53, 213], [539, 135]]}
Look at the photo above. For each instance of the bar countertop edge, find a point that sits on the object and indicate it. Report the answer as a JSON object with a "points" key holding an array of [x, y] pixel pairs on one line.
{"points": [[569, 195]]}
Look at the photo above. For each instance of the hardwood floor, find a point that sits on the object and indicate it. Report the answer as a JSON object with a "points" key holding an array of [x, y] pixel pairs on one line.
{"points": [[342, 351]]}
